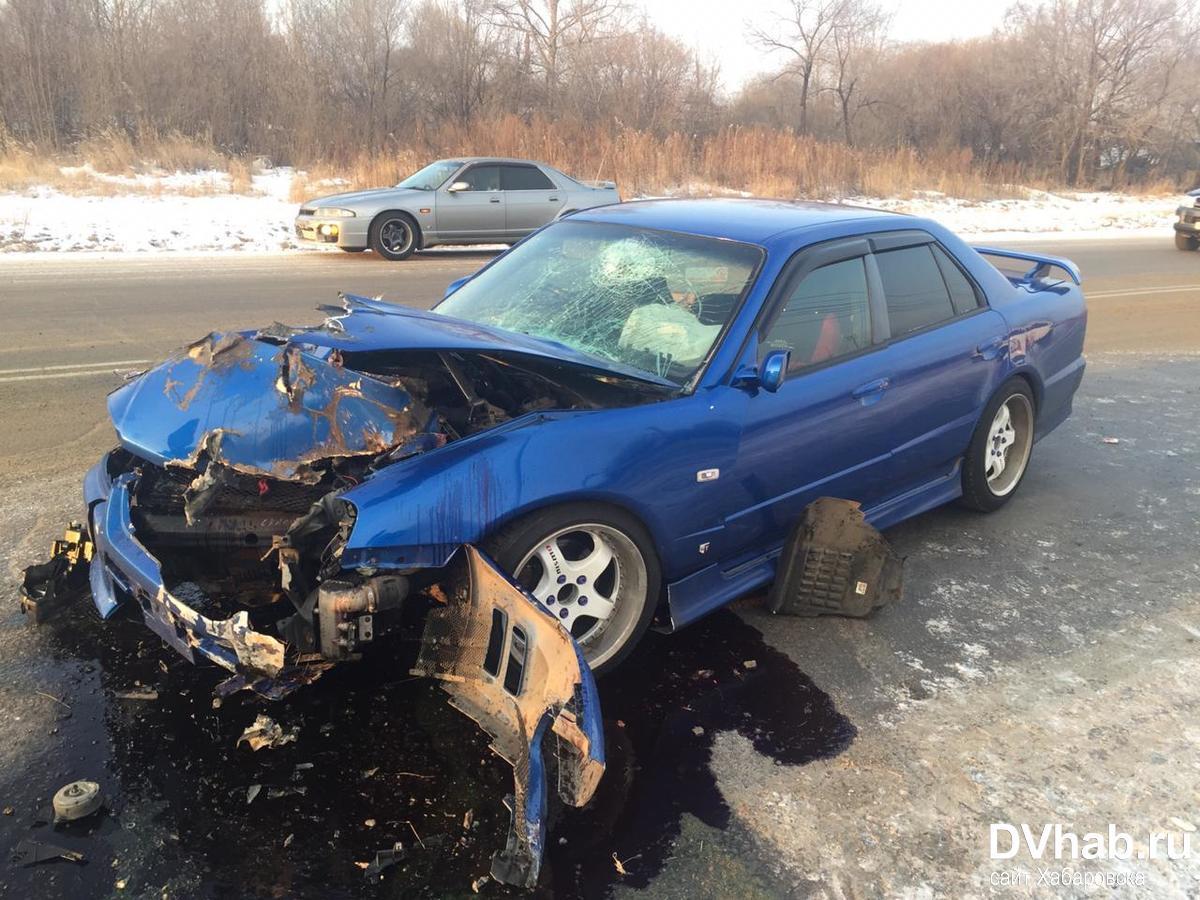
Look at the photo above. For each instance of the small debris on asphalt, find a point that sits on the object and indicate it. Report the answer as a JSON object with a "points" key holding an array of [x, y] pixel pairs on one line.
{"points": [[468, 819], [697, 731], [252, 792], [1110, 440], [618, 865], [77, 800], [750, 664], [30, 853], [479, 883], [8, 810], [384, 859], [370, 772], [120, 884], [370, 823], [137, 695], [287, 841], [266, 732]]}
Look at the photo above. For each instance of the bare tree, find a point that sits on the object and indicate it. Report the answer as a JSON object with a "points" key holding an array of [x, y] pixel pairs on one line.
{"points": [[551, 29], [856, 39], [803, 33]]}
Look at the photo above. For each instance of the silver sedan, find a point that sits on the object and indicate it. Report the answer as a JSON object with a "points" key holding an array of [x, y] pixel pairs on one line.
{"points": [[470, 200]]}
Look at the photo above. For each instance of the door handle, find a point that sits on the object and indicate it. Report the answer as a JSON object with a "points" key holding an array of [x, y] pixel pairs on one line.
{"points": [[553, 199], [871, 391], [493, 199]]}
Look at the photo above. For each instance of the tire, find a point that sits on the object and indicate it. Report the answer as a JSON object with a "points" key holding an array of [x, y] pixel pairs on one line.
{"points": [[1186, 241], [563, 539], [984, 488], [352, 249], [394, 235]]}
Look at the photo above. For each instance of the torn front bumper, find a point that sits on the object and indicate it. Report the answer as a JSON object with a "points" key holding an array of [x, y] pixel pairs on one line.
{"points": [[509, 665], [123, 569]]}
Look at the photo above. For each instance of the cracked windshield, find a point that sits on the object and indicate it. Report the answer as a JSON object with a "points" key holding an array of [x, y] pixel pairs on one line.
{"points": [[652, 300]]}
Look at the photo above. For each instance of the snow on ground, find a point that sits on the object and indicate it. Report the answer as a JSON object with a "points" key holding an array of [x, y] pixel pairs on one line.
{"points": [[195, 212]]}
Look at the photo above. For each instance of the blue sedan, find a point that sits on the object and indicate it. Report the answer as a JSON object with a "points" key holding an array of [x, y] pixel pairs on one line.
{"points": [[627, 410], [624, 415]]}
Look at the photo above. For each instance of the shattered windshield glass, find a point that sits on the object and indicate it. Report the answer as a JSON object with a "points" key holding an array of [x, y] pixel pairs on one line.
{"points": [[652, 300], [431, 177]]}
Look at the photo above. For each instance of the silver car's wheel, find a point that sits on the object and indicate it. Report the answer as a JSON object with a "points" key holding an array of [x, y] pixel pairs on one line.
{"points": [[393, 235], [593, 577]]}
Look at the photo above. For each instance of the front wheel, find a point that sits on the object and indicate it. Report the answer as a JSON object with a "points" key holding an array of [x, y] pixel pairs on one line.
{"points": [[1186, 241], [593, 568], [999, 453], [393, 235]]}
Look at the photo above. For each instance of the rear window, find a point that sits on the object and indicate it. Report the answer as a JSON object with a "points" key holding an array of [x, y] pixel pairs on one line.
{"points": [[962, 292], [524, 178], [916, 293]]}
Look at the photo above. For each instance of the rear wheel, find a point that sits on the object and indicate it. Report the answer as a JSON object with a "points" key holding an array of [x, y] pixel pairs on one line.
{"points": [[1186, 241], [393, 235], [592, 567], [999, 453]]}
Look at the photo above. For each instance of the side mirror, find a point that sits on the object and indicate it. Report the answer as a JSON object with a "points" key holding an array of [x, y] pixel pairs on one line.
{"points": [[459, 186], [770, 374], [773, 369], [455, 285]]}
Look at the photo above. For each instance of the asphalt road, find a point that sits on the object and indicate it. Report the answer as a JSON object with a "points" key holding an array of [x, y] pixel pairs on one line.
{"points": [[1041, 668]]}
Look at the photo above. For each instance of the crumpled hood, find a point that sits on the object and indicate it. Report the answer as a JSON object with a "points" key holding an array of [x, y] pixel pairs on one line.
{"points": [[261, 408], [350, 198], [278, 401]]}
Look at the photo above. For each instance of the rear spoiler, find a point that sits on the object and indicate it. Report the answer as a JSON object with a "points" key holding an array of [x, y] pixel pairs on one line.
{"points": [[1042, 264]]}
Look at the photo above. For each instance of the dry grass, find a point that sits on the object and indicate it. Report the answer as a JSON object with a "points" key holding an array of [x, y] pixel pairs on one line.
{"points": [[108, 164], [757, 161]]}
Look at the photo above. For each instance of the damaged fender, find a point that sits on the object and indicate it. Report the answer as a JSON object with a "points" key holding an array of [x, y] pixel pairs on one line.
{"points": [[509, 665]]}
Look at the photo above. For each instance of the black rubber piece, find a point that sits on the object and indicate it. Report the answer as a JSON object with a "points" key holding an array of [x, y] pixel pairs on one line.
{"points": [[509, 545], [976, 494]]}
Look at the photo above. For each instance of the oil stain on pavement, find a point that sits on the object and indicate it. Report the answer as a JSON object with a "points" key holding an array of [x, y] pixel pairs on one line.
{"points": [[379, 760]]}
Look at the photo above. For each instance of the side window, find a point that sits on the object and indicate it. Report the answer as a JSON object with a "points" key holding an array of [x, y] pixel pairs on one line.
{"points": [[962, 293], [524, 178], [482, 178], [826, 316], [913, 286]]}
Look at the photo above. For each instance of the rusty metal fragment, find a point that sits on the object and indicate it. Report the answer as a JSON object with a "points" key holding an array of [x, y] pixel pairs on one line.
{"points": [[511, 667]]}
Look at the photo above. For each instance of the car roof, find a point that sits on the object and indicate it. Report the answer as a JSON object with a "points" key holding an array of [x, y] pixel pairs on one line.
{"points": [[748, 220], [494, 159]]}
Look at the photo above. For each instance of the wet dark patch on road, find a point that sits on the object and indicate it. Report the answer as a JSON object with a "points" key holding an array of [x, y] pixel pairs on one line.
{"points": [[379, 759], [663, 708]]}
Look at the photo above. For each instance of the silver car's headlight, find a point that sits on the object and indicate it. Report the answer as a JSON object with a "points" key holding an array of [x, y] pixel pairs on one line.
{"points": [[332, 212]]}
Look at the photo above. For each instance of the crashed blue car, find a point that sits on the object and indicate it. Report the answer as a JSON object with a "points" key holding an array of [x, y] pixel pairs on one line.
{"points": [[614, 424]]}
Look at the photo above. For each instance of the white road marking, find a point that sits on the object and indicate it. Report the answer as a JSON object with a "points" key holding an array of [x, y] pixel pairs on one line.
{"points": [[95, 365], [1133, 292], [74, 370]]}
